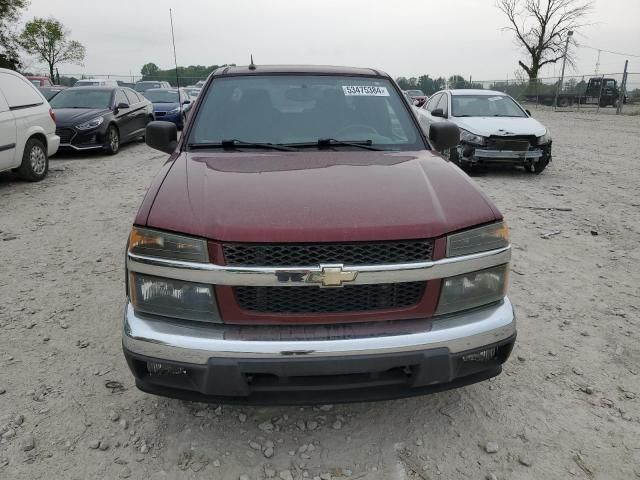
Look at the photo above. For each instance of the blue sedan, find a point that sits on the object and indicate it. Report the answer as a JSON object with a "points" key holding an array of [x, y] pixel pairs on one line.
{"points": [[169, 104]]}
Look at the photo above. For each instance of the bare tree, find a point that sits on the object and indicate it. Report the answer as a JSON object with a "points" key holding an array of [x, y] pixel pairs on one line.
{"points": [[541, 28]]}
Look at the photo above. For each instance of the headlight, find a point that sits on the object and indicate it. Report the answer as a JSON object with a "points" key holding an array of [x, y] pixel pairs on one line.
{"points": [[472, 290], [481, 239], [174, 111], [471, 137], [173, 298], [153, 243], [544, 139], [96, 122]]}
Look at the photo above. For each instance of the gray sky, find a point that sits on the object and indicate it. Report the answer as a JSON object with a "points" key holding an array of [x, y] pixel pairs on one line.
{"points": [[402, 37]]}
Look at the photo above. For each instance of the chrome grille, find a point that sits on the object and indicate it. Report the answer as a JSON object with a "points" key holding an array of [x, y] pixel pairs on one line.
{"points": [[310, 300], [65, 134], [303, 254]]}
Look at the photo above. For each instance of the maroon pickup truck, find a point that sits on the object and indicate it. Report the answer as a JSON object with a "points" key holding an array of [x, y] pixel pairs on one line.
{"points": [[306, 243]]}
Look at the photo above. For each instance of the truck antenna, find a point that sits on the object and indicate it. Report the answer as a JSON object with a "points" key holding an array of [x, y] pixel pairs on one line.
{"points": [[252, 66]]}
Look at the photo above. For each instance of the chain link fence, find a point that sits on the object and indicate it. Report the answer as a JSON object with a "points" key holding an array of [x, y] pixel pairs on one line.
{"points": [[600, 93]]}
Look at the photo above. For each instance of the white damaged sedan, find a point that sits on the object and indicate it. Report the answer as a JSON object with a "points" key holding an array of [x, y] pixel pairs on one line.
{"points": [[494, 129]]}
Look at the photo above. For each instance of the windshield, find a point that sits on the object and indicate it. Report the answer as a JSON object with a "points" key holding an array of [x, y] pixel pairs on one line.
{"points": [[289, 109], [415, 93], [162, 96], [144, 86], [82, 98], [485, 106]]}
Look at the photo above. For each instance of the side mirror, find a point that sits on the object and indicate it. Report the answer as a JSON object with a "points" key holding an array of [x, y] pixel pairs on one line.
{"points": [[444, 135], [162, 136], [122, 106], [186, 101], [437, 113], [528, 112]]}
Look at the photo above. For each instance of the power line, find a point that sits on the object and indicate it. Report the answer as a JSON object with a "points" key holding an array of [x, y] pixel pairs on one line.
{"points": [[609, 51]]}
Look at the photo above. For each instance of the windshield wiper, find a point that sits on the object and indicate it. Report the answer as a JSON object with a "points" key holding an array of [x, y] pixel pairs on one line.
{"points": [[233, 143], [332, 142]]}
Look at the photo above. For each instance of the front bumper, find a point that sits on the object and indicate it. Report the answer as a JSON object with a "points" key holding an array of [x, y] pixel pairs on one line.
{"points": [[288, 365], [507, 154], [83, 140], [168, 117], [477, 155]]}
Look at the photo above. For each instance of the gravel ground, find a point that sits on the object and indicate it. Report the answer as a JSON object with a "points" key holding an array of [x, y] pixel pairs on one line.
{"points": [[566, 406]]}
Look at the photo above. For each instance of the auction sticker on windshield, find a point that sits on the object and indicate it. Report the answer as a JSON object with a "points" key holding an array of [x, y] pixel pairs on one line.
{"points": [[364, 91]]}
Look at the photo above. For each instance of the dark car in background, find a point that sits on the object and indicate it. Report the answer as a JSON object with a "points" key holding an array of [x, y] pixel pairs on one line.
{"points": [[50, 92], [170, 104], [147, 84], [100, 118]]}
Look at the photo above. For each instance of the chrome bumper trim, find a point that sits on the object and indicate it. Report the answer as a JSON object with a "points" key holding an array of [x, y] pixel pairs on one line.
{"points": [[80, 149], [189, 343], [507, 154], [296, 276]]}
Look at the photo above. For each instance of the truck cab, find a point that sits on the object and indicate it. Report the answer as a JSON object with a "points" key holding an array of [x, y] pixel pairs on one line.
{"points": [[603, 91]]}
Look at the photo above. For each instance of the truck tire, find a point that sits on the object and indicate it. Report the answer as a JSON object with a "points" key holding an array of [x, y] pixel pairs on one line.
{"points": [[35, 163], [604, 102]]}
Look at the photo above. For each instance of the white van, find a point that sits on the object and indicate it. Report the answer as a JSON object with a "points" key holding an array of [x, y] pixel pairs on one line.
{"points": [[95, 82], [27, 128]]}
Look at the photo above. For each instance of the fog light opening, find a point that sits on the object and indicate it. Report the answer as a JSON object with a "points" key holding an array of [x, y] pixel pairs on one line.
{"points": [[155, 368], [482, 356]]}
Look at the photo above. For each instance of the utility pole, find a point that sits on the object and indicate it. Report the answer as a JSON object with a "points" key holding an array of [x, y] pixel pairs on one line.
{"points": [[564, 63], [623, 88], [598, 63], [173, 40]]}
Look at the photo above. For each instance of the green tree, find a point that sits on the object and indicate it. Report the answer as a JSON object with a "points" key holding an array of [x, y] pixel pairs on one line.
{"points": [[188, 75], [403, 83], [9, 14], [149, 69], [48, 40], [430, 85], [457, 81]]}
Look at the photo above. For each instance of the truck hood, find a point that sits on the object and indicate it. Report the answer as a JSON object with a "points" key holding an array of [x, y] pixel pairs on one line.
{"points": [[487, 126], [316, 197]]}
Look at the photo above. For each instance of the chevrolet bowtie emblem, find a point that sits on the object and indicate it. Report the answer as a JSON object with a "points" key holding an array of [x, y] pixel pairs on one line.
{"points": [[331, 276]]}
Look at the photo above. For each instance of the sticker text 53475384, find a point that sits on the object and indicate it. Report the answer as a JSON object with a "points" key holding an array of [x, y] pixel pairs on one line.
{"points": [[365, 91]]}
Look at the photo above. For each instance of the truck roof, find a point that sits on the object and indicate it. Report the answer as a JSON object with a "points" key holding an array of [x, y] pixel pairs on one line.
{"points": [[302, 69]]}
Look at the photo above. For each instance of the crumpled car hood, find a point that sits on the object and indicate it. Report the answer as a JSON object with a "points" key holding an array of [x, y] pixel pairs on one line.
{"points": [[487, 126]]}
